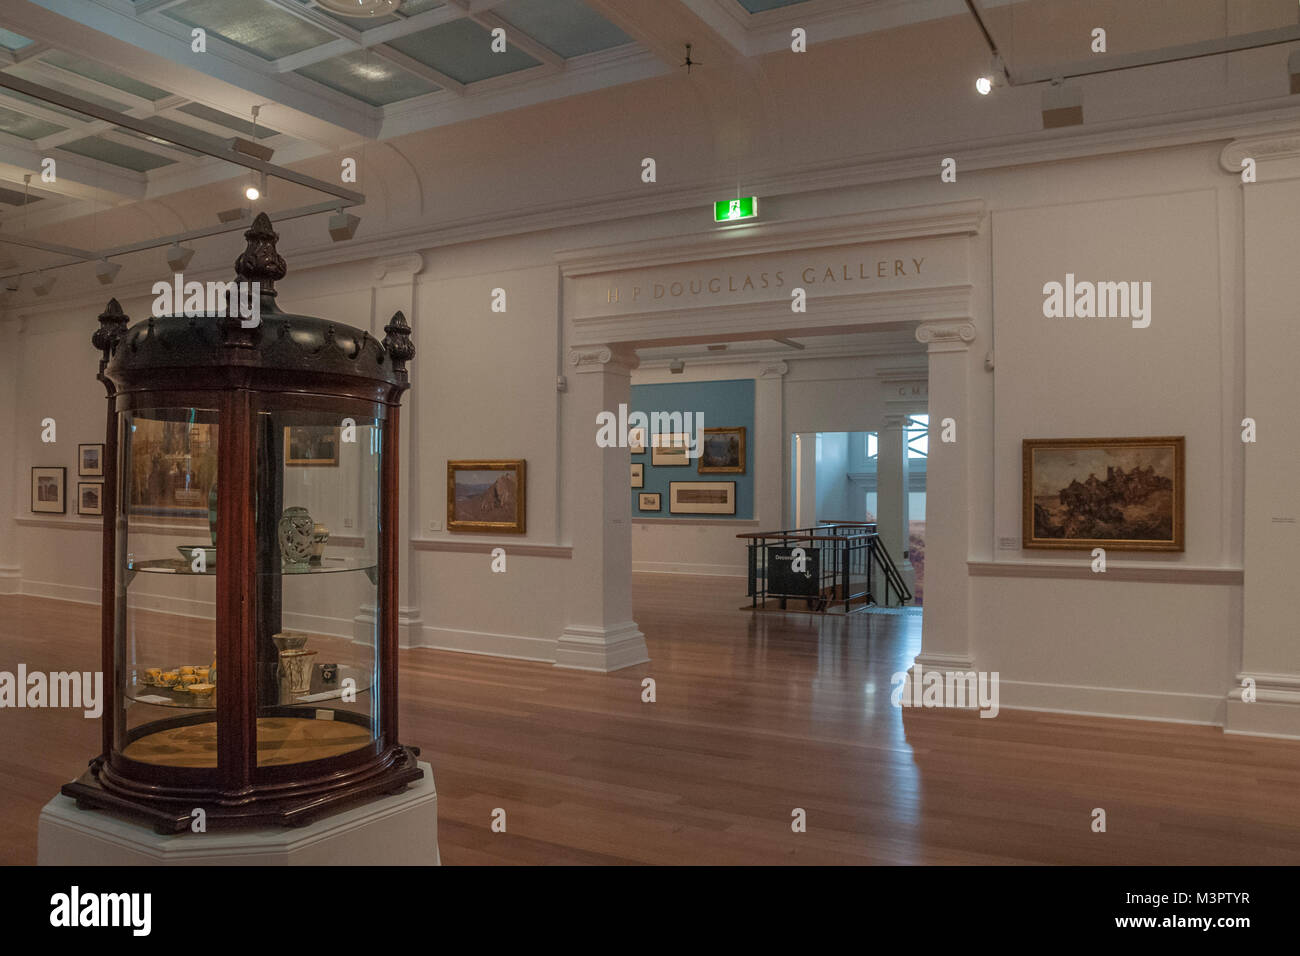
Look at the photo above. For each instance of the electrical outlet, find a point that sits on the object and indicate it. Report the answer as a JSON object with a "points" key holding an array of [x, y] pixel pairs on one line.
{"points": [[1009, 544], [347, 522], [435, 524]]}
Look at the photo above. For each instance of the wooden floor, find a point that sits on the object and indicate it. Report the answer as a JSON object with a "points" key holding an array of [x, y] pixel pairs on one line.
{"points": [[756, 715]]}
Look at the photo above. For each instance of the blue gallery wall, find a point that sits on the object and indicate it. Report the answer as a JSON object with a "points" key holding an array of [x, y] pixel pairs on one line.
{"points": [[728, 404]]}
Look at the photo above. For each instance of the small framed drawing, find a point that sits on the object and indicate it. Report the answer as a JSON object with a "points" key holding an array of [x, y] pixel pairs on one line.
{"points": [[90, 461], [90, 498], [636, 440], [1122, 494], [723, 451], [648, 501], [669, 448], [48, 488], [702, 497], [311, 445], [487, 496], [638, 474]]}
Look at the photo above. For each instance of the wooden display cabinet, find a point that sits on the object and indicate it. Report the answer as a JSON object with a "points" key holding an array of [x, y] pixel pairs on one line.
{"points": [[215, 432]]}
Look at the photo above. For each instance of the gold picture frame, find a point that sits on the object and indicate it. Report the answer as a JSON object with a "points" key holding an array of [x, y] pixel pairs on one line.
{"points": [[487, 495], [1122, 494], [312, 445], [722, 451]]}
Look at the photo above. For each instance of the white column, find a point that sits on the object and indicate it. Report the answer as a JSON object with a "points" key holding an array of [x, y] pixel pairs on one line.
{"points": [[1270, 664], [805, 477], [891, 494], [599, 633], [11, 495], [945, 634], [769, 428], [394, 291]]}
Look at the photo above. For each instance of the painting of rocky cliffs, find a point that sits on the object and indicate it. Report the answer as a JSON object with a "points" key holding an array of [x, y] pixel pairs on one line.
{"points": [[1117, 493], [486, 496]]}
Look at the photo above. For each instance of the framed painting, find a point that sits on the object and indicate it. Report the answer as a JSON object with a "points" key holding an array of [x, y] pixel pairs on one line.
{"points": [[636, 440], [487, 496], [669, 449], [723, 451], [1122, 494], [90, 498], [90, 461], [311, 445], [173, 466], [702, 497], [49, 486], [638, 475], [648, 501]]}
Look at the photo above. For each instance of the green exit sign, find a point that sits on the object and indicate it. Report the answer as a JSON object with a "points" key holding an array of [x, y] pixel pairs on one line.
{"points": [[729, 210]]}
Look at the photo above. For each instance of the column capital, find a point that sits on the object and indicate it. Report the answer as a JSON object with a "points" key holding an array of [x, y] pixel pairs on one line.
{"points": [[603, 358], [946, 335], [397, 269], [895, 420], [1283, 145], [773, 370]]}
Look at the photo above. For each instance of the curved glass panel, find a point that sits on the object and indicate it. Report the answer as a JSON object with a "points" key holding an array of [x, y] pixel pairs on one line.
{"points": [[166, 586], [318, 498]]}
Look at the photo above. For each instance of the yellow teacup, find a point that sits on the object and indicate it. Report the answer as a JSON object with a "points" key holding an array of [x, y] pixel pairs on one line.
{"points": [[187, 670], [187, 679], [168, 677], [152, 675], [202, 673]]}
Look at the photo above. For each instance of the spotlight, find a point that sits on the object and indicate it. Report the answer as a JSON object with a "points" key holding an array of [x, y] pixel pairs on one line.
{"points": [[343, 226], [43, 284], [249, 148], [996, 76], [984, 85], [107, 271], [233, 215], [252, 194], [677, 366], [178, 256]]}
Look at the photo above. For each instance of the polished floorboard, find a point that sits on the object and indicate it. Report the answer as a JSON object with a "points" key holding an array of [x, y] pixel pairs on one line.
{"points": [[755, 716]]}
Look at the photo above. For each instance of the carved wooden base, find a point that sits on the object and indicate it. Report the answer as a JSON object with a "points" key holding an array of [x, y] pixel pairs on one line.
{"points": [[171, 810]]}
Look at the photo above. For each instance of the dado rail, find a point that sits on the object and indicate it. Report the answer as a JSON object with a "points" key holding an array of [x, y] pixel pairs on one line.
{"points": [[838, 567]]}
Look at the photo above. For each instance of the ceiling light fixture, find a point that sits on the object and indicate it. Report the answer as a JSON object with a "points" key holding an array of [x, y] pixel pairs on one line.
{"points": [[252, 194], [677, 366], [995, 77], [178, 256], [233, 215], [107, 271], [360, 8], [343, 226]]}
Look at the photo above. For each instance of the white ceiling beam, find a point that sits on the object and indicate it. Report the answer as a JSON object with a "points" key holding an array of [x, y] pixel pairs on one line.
{"points": [[47, 71], [159, 47], [149, 146], [381, 34], [78, 176], [149, 6], [519, 38], [315, 17], [196, 142], [385, 52], [42, 112]]}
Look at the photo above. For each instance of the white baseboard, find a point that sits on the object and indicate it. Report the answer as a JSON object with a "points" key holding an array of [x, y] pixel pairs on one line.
{"points": [[11, 579], [517, 646], [59, 592], [673, 567], [1121, 702]]}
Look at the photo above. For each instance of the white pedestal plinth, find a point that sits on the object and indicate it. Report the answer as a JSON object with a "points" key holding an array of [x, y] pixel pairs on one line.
{"points": [[401, 830]]}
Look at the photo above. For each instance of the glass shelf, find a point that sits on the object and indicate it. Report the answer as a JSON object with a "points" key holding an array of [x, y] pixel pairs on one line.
{"points": [[166, 697], [327, 566]]}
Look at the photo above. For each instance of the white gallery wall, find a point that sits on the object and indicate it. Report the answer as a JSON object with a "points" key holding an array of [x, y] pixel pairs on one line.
{"points": [[506, 199]]}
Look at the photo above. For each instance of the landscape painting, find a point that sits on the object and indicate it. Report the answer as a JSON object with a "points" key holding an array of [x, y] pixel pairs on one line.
{"points": [[486, 496], [723, 451], [1124, 494]]}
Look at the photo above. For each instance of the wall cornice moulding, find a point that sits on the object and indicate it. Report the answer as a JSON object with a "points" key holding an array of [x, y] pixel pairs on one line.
{"points": [[961, 218], [1271, 146], [1081, 570], [1279, 117]]}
